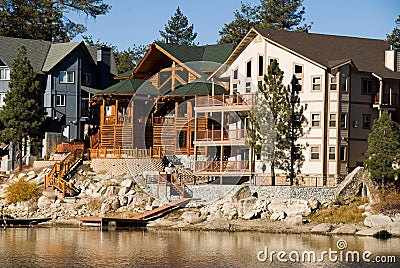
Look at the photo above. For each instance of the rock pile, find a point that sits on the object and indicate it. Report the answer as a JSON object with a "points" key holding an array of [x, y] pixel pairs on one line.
{"points": [[100, 194]]}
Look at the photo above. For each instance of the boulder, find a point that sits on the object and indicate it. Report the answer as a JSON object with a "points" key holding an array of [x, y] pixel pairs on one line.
{"points": [[322, 228], [123, 191], [278, 216], [127, 183], [242, 193], [377, 221], [313, 203], [254, 214], [298, 207], [394, 228], [123, 200], [246, 205], [115, 204], [217, 223], [345, 230], [375, 232], [43, 202], [277, 205], [110, 191], [294, 220], [192, 217]]}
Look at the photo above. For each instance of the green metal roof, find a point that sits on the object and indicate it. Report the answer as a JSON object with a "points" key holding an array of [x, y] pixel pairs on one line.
{"points": [[214, 53], [196, 88], [131, 86]]}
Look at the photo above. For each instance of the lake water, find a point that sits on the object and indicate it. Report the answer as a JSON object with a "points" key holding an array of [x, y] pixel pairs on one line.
{"points": [[74, 247]]}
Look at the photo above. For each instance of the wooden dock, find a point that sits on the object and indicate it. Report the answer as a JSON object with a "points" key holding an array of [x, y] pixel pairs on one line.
{"points": [[27, 222], [140, 220]]}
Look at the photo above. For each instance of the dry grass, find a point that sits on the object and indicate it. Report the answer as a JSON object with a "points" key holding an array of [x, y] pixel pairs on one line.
{"points": [[348, 213], [388, 201]]}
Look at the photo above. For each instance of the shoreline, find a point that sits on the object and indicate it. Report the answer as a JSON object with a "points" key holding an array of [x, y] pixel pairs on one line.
{"points": [[235, 226]]}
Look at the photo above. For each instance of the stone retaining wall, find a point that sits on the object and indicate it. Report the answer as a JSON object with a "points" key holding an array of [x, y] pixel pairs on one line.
{"points": [[203, 194]]}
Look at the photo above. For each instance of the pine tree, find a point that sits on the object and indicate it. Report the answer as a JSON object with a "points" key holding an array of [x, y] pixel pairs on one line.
{"points": [[22, 116], [282, 14], [178, 31], [383, 149], [270, 118], [273, 14], [46, 19], [244, 20], [394, 37]]}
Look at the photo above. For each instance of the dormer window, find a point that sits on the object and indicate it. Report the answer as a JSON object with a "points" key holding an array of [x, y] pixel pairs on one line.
{"points": [[4, 73]]}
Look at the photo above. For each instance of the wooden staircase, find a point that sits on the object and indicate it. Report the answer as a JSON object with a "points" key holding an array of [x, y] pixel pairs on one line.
{"points": [[59, 176]]}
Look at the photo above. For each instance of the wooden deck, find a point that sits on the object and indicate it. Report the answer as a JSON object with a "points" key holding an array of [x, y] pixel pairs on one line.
{"points": [[140, 220]]}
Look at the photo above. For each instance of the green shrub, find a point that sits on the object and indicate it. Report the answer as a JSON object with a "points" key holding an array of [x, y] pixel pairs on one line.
{"points": [[20, 190]]}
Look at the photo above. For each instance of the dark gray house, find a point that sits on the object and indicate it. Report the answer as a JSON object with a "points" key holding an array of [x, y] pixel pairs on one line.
{"points": [[63, 71]]}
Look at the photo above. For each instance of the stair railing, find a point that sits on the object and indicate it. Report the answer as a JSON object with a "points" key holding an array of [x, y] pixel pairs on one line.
{"points": [[56, 177]]}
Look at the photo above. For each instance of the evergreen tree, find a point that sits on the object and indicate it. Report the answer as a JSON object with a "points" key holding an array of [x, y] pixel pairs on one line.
{"points": [[394, 37], [46, 19], [22, 116], [244, 20], [282, 14], [383, 149], [273, 14], [270, 118], [178, 31], [127, 60]]}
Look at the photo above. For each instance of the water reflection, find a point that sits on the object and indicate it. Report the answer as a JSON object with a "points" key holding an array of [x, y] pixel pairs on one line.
{"points": [[71, 247]]}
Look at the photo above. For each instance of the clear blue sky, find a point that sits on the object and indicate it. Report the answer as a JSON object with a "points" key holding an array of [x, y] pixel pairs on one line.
{"points": [[138, 22]]}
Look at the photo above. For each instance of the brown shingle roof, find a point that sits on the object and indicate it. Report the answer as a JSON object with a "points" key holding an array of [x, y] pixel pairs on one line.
{"points": [[367, 55]]}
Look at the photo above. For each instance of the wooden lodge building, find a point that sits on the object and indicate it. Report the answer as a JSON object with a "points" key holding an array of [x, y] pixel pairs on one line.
{"points": [[150, 111]]}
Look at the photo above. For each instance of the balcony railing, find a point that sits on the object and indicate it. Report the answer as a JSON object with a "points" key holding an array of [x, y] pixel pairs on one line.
{"points": [[127, 153], [225, 100], [222, 166], [163, 121], [113, 120], [217, 135]]}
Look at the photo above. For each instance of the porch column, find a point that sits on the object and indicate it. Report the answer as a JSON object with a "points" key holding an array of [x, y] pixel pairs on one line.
{"points": [[380, 96]]}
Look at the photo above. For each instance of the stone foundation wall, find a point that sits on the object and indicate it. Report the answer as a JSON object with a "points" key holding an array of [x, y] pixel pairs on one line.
{"points": [[204, 194]]}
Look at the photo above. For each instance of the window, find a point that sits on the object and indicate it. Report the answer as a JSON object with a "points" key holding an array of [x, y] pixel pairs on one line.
{"points": [[4, 74], [342, 154], [260, 65], [367, 121], [248, 87], [332, 120], [366, 86], [87, 79], [333, 83], [315, 120], [332, 153], [60, 100], [66, 77], [316, 83], [343, 120], [234, 87], [314, 152], [298, 69], [2, 102], [248, 69], [235, 74], [343, 83], [182, 139]]}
